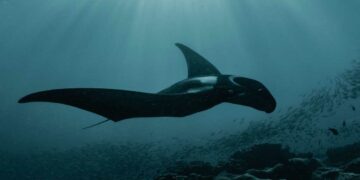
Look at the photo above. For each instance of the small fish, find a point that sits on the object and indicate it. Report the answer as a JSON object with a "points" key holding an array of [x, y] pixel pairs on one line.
{"points": [[334, 131], [353, 108], [344, 123]]}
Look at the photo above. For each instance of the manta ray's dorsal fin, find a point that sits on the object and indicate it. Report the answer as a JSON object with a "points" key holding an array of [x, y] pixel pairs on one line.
{"points": [[197, 65]]}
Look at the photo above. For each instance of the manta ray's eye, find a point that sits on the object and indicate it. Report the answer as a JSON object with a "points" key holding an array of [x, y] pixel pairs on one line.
{"points": [[260, 89]]}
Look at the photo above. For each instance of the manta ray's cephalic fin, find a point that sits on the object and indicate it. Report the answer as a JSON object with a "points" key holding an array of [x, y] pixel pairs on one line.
{"points": [[197, 65]]}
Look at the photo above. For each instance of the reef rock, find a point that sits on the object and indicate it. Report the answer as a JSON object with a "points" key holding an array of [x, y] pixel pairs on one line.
{"points": [[258, 157], [272, 161], [343, 154], [353, 166]]}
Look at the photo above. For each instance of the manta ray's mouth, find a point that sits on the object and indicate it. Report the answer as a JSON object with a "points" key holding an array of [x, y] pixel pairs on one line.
{"points": [[270, 110], [270, 107]]}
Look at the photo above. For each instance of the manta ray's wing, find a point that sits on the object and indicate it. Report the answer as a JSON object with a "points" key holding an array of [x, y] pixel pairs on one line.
{"points": [[121, 104], [197, 65]]}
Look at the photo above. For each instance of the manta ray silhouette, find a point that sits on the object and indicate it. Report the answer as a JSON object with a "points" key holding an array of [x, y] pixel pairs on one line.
{"points": [[204, 88]]}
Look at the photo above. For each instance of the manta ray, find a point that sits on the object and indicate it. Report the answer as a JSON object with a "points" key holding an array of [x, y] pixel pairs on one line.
{"points": [[204, 88]]}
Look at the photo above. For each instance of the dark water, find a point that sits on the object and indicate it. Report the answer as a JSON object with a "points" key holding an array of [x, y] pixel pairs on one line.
{"points": [[306, 53]]}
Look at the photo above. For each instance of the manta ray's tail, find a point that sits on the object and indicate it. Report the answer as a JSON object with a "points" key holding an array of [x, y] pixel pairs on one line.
{"points": [[87, 127]]}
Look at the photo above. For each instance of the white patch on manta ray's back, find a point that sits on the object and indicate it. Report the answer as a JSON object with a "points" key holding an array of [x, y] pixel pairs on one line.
{"points": [[207, 80], [205, 84]]}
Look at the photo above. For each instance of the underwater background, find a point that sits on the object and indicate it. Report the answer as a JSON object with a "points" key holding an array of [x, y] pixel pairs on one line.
{"points": [[307, 53]]}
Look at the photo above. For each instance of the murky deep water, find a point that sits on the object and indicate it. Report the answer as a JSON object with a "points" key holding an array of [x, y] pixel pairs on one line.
{"points": [[305, 52]]}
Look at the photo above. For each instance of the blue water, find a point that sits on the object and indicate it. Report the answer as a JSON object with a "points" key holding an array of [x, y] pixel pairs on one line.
{"points": [[301, 50]]}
